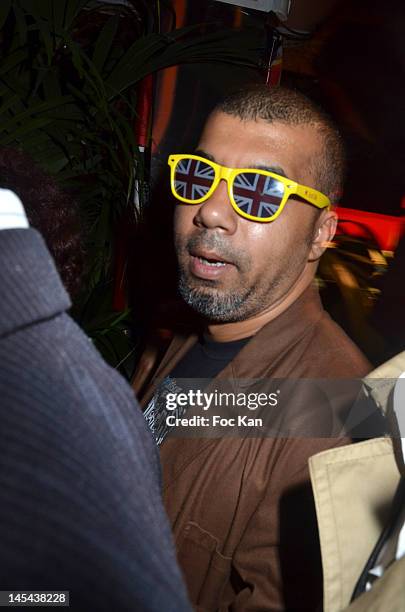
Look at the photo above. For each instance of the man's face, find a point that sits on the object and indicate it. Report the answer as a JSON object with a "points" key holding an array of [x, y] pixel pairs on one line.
{"points": [[231, 268]]}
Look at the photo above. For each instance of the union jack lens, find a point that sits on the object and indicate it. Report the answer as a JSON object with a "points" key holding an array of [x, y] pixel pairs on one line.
{"points": [[253, 193]]}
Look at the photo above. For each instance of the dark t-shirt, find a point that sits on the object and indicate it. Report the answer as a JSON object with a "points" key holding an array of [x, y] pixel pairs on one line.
{"points": [[205, 360]]}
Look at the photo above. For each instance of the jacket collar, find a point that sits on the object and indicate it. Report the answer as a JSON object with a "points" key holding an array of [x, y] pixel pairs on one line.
{"points": [[267, 348], [381, 381], [386, 386]]}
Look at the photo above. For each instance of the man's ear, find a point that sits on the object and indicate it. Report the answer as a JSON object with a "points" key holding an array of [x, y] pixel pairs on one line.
{"points": [[324, 232]]}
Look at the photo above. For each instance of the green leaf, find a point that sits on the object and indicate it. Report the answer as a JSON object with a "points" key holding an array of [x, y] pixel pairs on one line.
{"points": [[13, 60], [5, 6], [125, 72], [77, 58], [71, 9], [52, 84], [34, 124], [21, 23], [104, 42], [40, 8], [59, 14], [154, 52], [59, 9], [10, 103], [47, 36], [40, 108]]}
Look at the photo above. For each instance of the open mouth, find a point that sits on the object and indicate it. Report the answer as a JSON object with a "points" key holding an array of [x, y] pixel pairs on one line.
{"points": [[208, 266], [211, 262], [208, 257]]}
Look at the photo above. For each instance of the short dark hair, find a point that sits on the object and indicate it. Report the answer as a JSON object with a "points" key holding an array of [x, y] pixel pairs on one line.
{"points": [[50, 210], [293, 108]]}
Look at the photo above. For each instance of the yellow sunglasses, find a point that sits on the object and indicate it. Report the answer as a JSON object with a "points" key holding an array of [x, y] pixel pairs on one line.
{"points": [[258, 195]]}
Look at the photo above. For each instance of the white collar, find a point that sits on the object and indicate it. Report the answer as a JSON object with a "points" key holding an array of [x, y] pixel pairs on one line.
{"points": [[12, 213]]}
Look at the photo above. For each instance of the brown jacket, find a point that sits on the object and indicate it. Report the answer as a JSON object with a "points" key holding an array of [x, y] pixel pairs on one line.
{"points": [[241, 509]]}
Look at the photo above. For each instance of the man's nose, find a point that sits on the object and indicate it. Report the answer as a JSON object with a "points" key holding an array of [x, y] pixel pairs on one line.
{"points": [[217, 211]]}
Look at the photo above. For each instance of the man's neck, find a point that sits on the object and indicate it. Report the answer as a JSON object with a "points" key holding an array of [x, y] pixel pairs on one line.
{"points": [[227, 332]]}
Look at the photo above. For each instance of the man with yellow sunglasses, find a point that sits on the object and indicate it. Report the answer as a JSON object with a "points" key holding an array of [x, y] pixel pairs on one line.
{"points": [[253, 216]]}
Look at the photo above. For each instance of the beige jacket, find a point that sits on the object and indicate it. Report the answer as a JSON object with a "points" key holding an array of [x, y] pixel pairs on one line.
{"points": [[353, 488], [387, 594]]}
